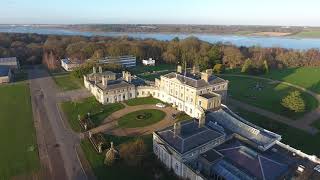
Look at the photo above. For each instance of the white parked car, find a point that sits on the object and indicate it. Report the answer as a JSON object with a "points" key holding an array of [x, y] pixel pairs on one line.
{"points": [[160, 105]]}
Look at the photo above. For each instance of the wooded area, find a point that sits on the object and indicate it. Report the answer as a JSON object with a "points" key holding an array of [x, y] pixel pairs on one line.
{"points": [[35, 49]]}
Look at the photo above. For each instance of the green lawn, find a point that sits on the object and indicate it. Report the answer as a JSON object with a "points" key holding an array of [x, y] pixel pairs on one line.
{"points": [[151, 77], [67, 82], [294, 137], [141, 101], [183, 117], [19, 153], [141, 118], [98, 111], [316, 124], [120, 170], [159, 67], [269, 98], [307, 77]]}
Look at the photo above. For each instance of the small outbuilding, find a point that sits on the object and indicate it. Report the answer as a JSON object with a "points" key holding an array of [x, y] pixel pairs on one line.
{"points": [[149, 62]]}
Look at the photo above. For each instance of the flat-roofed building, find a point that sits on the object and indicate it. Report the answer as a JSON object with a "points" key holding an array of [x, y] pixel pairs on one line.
{"points": [[126, 61], [70, 65], [11, 62], [149, 62]]}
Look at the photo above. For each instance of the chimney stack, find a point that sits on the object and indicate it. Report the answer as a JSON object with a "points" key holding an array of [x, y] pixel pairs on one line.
{"points": [[179, 69], [195, 69], [104, 81], [94, 70], [126, 76], [202, 120], [176, 129], [209, 72], [206, 75], [100, 69]]}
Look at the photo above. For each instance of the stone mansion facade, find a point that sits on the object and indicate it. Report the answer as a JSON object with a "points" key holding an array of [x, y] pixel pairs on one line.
{"points": [[192, 92]]}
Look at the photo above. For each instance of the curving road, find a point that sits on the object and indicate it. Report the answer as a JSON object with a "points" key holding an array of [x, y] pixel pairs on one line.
{"points": [[110, 123]]}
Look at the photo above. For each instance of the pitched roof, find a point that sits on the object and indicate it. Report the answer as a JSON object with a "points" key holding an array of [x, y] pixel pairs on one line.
{"points": [[194, 80], [190, 137], [262, 165]]}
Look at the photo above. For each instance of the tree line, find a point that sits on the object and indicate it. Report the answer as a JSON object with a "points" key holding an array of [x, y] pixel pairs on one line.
{"points": [[49, 49]]}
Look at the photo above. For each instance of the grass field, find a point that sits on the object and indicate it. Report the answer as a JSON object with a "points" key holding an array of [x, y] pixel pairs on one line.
{"points": [[292, 136], [308, 34], [141, 101], [98, 111], [67, 82], [307, 77], [120, 170], [19, 153], [159, 67], [269, 97], [141, 118]]}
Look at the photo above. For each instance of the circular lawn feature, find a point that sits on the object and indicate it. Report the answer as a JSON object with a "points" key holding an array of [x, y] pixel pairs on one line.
{"points": [[141, 118]]}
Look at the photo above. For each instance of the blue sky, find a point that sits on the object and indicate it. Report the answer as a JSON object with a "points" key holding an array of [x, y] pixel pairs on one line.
{"points": [[252, 12]]}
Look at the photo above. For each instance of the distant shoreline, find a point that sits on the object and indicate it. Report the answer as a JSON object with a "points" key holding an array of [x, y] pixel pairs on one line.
{"points": [[247, 31]]}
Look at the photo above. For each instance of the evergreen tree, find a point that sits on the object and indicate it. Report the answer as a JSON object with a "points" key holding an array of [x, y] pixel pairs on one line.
{"points": [[266, 66], [218, 68], [294, 102], [246, 66]]}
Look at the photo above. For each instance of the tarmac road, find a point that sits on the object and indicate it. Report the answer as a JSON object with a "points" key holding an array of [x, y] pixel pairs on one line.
{"points": [[57, 144]]}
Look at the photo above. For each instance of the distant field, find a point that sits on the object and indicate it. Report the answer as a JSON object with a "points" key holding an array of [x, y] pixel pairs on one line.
{"points": [[308, 34], [307, 77], [67, 82], [243, 32], [18, 152], [269, 98], [272, 34], [292, 136]]}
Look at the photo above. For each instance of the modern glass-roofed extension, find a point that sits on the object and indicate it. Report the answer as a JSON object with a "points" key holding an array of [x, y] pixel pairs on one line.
{"points": [[225, 146]]}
